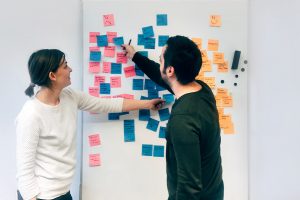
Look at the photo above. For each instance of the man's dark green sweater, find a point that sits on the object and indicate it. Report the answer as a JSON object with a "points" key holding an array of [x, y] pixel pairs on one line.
{"points": [[194, 170]]}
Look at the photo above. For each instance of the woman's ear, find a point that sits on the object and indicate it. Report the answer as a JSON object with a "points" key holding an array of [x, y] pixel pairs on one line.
{"points": [[52, 76]]}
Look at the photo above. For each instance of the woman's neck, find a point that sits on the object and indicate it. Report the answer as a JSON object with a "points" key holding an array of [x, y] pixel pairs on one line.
{"points": [[48, 96]]}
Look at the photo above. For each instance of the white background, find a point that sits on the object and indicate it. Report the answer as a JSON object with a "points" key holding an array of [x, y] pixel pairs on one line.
{"points": [[273, 123]]}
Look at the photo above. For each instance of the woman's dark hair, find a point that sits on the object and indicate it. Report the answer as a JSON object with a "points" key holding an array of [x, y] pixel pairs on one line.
{"points": [[40, 64], [184, 55]]}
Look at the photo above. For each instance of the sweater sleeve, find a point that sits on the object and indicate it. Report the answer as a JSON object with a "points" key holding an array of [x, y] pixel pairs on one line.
{"points": [[186, 144], [90, 103], [27, 140], [151, 69]]}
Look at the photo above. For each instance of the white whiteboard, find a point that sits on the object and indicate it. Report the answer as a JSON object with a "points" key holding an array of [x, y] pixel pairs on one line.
{"points": [[124, 173]]}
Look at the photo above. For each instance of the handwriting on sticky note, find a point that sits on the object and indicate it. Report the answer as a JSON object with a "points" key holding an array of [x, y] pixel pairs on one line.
{"points": [[94, 140], [109, 51], [98, 79], [215, 20], [218, 58], [94, 91], [213, 45], [129, 71], [106, 67], [94, 160], [93, 37], [115, 81], [111, 36], [94, 67], [121, 58], [108, 20], [223, 67]]}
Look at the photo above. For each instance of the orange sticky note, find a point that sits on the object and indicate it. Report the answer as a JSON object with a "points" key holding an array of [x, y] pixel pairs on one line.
{"points": [[94, 91], [206, 66], [98, 79], [218, 58], [106, 67], [218, 101], [224, 120], [93, 37], [121, 57], [213, 45], [115, 82], [94, 67], [223, 67], [129, 71], [109, 51], [198, 42], [227, 101], [108, 20], [204, 55], [94, 160], [229, 128], [222, 92], [215, 20], [210, 81], [94, 140], [200, 76], [111, 36]]}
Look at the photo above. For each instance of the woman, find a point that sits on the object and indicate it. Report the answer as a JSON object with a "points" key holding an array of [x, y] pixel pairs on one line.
{"points": [[46, 127]]}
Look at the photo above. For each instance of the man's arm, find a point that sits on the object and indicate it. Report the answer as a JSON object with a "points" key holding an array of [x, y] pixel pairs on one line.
{"points": [[149, 67], [186, 143]]}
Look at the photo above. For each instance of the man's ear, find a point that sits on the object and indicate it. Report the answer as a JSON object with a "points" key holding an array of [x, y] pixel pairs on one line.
{"points": [[52, 76], [170, 71]]}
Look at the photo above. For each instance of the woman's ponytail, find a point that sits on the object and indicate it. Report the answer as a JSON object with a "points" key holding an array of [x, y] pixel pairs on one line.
{"points": [[30, 90]]}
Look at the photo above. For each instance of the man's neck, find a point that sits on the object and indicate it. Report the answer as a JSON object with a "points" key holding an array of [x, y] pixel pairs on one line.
{"points": [[180, 90]]}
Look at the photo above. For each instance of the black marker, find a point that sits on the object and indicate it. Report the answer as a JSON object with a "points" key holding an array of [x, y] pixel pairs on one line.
{"points": [[128, 44]]}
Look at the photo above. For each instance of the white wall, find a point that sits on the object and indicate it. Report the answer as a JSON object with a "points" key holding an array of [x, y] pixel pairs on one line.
{"points": [[29, 25], [274, 99], [26, 26]]}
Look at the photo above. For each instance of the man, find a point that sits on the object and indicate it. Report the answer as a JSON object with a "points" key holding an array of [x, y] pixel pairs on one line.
{"points": [[194, 170]]}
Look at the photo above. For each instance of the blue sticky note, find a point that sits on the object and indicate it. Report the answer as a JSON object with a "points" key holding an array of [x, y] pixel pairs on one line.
{"points": [[102, 40], [159, 88], [147, 149], [141, 39], [95, 56], [148, 31], [149, 84], [162, 40], [116, 68], [137, 84], [152, 93], [104, 88], [158, 151], [144, 115], [164, 114], [169, 98], [152, 124], [144, 98], [138, 72], [129, 132], [113, 116], [149, 43], [161, 19], [144, 53], [118, 41], [162, 132]]}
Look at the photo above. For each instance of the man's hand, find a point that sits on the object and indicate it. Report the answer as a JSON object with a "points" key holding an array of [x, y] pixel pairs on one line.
{"points": [[129, 50]]}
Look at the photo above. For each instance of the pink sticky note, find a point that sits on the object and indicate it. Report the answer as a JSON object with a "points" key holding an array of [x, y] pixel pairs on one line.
{"points": [[115, 82], [121, 57], [111, 36], [99, 79], [125, 96], [94, 140], [94, 160], [94, 67], [106, 67], [108, 20], [93, 37], [129, 71], [109, 51], [94, 48], [94, 91]]}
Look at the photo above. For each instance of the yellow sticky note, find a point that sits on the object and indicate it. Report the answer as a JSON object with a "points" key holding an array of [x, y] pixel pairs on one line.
{"points": [[210, 81], [218, 101], [218, 58], [224, 120], [206, 66], [198, 42], [222, 92], [204, 55], [215, 20], [223, 67], [213, 45]]}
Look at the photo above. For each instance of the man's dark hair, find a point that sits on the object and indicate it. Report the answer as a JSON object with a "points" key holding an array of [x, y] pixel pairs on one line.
{"points": [[40, 64], [184, 55]]}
